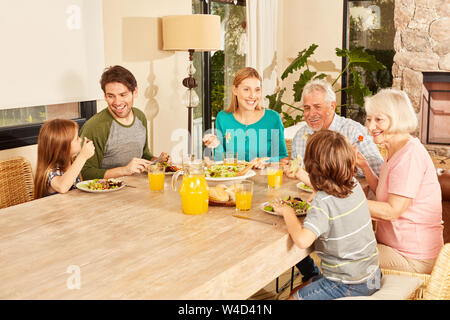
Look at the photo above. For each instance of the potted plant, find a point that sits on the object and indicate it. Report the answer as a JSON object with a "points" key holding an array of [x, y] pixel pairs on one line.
{"points": [[358, 61]]}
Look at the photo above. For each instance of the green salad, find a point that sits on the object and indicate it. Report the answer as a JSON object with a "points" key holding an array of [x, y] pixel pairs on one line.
{"points": [[102, 184], [223, 171], [296, 203], [305, 186]]}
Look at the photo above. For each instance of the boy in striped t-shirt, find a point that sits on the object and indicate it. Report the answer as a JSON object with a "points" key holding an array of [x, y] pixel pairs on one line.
{"points": [[338, 222]]}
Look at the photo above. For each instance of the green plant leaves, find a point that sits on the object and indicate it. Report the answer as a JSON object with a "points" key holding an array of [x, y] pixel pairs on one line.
{"points": [[275, 102], [357, 90], [288, 121], [359, 57], [300, 61], [302, 81]]}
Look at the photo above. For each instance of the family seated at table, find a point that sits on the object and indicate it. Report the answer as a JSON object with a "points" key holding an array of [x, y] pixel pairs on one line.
{"points": [[407, 208]]}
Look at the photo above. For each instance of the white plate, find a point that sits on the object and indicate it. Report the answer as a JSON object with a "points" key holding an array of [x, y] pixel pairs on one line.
{"points": [[276, 214], [304, 187], [249, 174], [80, 185]]}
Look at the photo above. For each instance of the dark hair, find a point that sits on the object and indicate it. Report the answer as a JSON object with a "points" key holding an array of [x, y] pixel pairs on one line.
{"points": [[118, 74], [331, 163]]}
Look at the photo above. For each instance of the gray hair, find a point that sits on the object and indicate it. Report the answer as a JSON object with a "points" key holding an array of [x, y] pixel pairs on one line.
{"points": [[319, 85]]}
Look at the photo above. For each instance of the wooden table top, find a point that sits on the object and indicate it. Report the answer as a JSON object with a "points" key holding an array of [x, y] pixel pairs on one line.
{"points": [[134, 244]]}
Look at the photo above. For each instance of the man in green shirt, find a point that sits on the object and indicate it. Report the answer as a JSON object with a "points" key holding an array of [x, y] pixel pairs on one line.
{"points": [[119, 132]]}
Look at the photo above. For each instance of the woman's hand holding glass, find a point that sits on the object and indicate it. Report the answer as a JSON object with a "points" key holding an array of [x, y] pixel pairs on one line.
{"points": [[211, 141]]}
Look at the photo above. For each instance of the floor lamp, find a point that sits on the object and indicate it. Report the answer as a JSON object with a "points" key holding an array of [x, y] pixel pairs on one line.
{"points": [[194, 32]]}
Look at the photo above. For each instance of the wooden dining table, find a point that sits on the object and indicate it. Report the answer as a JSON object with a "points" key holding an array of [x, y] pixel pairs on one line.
{"points": [[138, 244]]}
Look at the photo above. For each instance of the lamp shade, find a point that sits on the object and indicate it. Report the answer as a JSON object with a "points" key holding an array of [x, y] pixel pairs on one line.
{"points": [[199, 32]]}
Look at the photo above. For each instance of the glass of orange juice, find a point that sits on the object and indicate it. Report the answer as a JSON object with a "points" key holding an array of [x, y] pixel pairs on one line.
{"points": [[243, 194], [230, 158], [156, 177], [274, 175]]}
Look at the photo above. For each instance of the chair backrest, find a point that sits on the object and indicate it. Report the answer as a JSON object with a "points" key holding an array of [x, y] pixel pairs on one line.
{"points": [[289, 147], [16, 181], [439, 286]]}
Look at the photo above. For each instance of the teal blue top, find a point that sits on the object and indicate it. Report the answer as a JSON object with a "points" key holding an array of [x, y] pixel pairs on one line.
{"points": [[265, 138]]}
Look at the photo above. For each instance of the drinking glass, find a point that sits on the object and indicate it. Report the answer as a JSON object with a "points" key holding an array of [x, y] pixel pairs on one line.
{"points": [[156, 177], [243, 194], [230, 158], [274, 175]]}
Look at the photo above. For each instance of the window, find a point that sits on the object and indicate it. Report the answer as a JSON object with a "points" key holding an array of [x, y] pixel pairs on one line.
{"points": [[20, 127], [216, 69], [56, 80], [369, 24]]}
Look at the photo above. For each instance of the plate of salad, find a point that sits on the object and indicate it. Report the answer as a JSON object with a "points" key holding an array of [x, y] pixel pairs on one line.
{"points": [[304, 187], [296, 203], [101, 185], [221, 172]]}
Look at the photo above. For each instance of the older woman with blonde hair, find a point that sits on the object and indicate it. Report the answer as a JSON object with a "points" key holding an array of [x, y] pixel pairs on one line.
{"points": [[245, 127], [408, 206]]}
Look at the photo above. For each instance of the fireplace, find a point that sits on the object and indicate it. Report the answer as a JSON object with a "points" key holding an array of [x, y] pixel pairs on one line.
{"points": [[435, 109], [422, 67]]}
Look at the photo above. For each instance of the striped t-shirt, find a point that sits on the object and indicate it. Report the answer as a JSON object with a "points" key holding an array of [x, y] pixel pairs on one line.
{"points": [[345, 240]]}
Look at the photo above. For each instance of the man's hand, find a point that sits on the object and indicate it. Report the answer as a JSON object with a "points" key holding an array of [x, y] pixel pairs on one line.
{"points": [[165, 157], [137, 165]]}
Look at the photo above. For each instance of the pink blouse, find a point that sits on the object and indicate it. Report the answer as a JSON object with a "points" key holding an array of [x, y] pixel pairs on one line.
{"points": [[410, 173]]}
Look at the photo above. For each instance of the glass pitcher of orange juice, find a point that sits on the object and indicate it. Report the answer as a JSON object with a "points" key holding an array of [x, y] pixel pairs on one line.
{"points": [[194, 190]]}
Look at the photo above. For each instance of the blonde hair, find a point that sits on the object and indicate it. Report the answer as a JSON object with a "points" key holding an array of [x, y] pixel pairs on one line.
{"points": [[240, 76], [396, 105], [54, 143]]}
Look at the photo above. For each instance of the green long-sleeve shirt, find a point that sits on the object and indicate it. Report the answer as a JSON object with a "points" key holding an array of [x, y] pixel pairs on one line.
{"points": [[115, 144]]}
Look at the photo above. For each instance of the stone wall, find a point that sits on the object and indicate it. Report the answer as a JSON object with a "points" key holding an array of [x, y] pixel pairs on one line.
{"points": [[421, 44]]}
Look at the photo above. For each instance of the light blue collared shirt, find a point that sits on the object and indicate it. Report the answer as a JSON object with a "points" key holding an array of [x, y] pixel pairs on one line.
{"points": [[349, 128]]}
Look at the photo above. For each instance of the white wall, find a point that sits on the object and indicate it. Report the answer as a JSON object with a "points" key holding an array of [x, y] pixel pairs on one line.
{"points": [[132, 38], [302, 23]]}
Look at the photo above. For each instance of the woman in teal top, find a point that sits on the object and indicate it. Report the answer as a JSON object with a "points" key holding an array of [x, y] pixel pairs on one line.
{"points": [[245, 127]]}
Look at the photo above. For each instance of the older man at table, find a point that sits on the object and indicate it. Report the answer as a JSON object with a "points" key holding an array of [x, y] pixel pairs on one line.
{"points": [[319, 104], [119, 132]]}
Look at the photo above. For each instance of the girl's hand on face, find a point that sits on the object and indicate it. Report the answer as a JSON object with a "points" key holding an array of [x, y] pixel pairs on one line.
{"points": [[88, 149], [210, 141]]}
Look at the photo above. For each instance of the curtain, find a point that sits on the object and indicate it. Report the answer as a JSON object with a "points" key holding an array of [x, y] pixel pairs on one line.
{"points": [[262, 42]]}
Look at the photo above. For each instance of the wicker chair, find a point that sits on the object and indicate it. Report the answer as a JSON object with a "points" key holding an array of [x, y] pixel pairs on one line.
{"points": [[435, 286], [16, 181], [289, 147]]}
